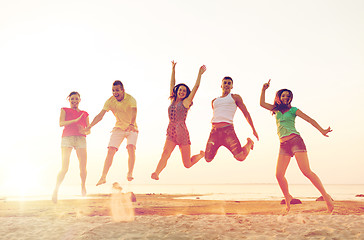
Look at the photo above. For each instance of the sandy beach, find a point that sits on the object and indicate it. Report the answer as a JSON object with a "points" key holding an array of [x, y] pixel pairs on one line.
{"points": [[155, 216]]}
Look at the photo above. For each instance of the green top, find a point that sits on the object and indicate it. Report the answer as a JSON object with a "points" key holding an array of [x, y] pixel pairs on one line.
{"points": [[286, 122]]}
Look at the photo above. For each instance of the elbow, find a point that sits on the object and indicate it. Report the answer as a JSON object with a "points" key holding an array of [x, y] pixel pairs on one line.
{"points": [[261, 102]]}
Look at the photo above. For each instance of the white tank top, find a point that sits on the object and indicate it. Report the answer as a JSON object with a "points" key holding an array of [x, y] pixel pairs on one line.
{"points": [[224, 109]]}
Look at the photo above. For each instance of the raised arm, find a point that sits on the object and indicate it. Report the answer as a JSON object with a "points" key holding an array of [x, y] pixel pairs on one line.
{"points": [[313, 123], [187, 102], [263, 103], [239, 102], [63, 122], [173, 78]]}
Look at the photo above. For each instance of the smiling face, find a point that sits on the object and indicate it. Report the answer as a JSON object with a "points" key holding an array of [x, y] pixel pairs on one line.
{"points": [[181, 92], [118, 92], [226, 86], [286, 98], [283, 99], [74, 100]]}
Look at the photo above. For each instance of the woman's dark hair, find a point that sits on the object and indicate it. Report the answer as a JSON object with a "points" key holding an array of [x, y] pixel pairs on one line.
{"points": [[73, 93], [175, 90], [278, 105]]}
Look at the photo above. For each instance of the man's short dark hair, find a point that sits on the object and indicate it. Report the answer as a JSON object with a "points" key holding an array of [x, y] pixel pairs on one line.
{"points": [[118, 82], [228, 78]]}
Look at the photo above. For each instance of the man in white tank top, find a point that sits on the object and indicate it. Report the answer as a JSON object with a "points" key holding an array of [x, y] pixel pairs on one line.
{"points": [[223, 133]]}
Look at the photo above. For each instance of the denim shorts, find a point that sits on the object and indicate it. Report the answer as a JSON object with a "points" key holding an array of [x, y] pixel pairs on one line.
{"points": [[224, 136], [290, 147], [73, 142]]}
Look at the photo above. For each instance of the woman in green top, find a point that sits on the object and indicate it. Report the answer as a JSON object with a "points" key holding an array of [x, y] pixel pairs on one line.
{"points": [[291, 143]]}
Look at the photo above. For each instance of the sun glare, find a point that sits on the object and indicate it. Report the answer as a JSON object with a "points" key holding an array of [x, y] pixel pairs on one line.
{"points": [[23, 180]]}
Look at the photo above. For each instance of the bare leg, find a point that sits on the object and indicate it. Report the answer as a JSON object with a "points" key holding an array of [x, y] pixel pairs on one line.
{"points": [[167, 151], [82, 158], [189, 161], [66, 153], [131, 161], [108, 161], [302, 160], [282, 164], [246, 150]]}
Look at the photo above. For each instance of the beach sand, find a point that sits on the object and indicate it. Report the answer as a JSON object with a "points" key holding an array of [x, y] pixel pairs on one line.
{"points": [[169, 217]]}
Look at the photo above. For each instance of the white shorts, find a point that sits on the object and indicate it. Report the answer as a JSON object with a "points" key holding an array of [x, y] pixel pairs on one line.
{"points": [[118, 135]]}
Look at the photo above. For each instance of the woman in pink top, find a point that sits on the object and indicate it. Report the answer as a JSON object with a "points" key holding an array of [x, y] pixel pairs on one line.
{"points": [[73, 120], [177, 133]]}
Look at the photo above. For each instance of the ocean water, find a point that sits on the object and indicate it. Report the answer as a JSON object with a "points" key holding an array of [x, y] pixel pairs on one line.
{"points": [[241, 192], [233, 192]]}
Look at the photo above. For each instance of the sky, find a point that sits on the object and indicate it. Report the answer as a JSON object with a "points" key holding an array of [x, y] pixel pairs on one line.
{"points": [[50, 48]]}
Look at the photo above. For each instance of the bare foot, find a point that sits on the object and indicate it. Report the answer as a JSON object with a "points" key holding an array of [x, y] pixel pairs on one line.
{"points": [[83, 191], [130, 177], [197, 157], [288, 203], [117, 186], [329, 203], [155, 176], [55, 196], [251, 143], [101, 181]]}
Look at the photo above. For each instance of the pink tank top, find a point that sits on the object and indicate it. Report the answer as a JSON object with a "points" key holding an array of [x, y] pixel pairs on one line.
{"points": [[224, 109]]}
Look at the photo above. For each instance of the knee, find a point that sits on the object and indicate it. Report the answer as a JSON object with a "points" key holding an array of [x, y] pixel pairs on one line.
{"points": [[166, 152], [112, 150], [131, 148], [165, 155], [241, 156], [279, 176], [187, 165], [83, 172], [209, 152], [209, 157], [308, 173], [63, 171]]}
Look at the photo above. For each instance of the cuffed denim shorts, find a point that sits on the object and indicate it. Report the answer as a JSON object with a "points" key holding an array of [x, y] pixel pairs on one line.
{"points": [[292, 146], [74, 142]]}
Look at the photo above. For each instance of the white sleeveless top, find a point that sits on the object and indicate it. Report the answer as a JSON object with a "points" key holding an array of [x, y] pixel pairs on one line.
{"points": [[224, 109]]}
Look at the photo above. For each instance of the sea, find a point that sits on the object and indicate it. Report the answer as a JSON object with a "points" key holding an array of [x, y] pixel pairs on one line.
{"points": [[229, 192]]}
